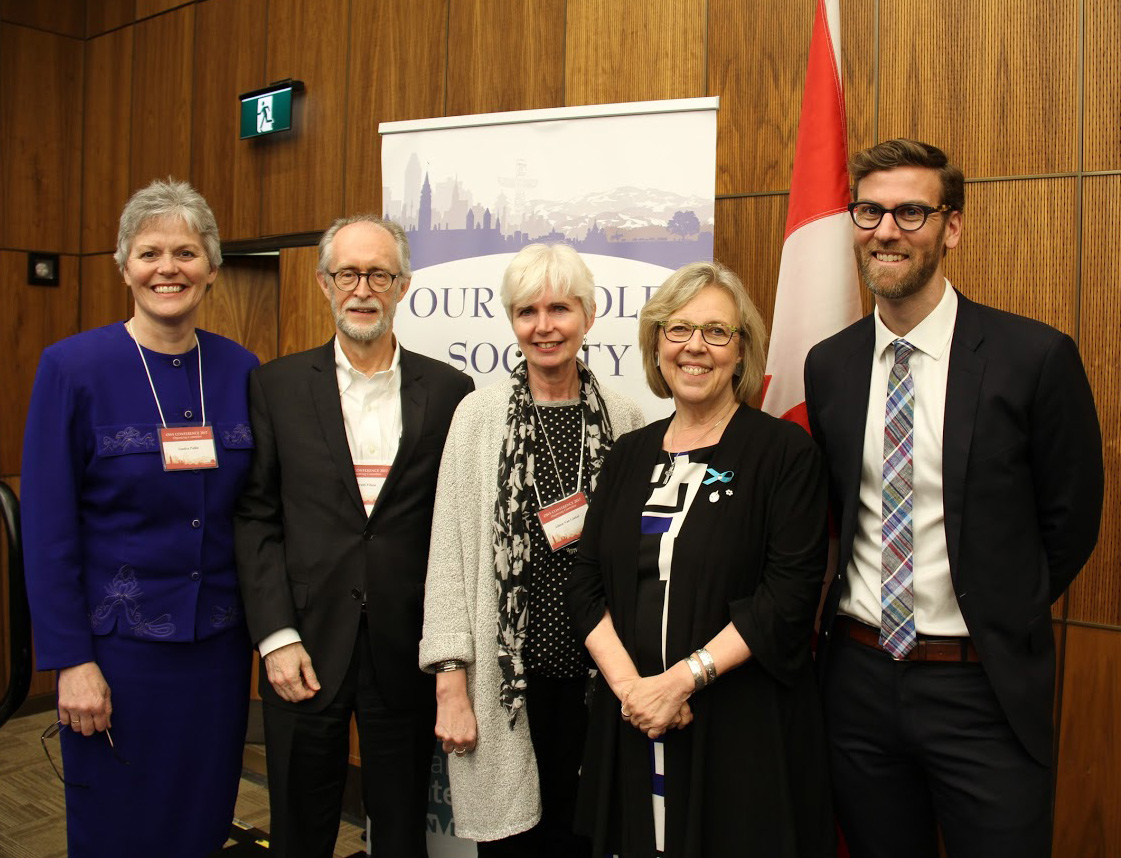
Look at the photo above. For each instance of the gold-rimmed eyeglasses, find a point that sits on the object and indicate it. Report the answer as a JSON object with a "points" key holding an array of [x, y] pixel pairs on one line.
{"points": [[714, 333], [56, 728]]}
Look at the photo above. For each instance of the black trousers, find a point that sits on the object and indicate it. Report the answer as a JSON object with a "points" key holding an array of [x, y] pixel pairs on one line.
{"points": [[307, 765], [918, 746], [558, 721]]}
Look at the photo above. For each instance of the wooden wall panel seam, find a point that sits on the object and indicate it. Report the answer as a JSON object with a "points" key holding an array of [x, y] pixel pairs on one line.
{"points": [[1085, 624], [165, 9], [346, 112], [106, 140]]}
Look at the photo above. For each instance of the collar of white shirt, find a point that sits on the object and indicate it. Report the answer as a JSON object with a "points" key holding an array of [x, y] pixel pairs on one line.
{"points": [[931, 336], [347, 374]]}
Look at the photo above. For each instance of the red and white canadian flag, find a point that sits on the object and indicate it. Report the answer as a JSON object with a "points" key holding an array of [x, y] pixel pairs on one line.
{"points": [[817, 291]]}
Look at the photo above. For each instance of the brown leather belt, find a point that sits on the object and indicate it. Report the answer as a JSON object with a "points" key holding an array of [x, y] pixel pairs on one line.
{"points": [[926, 648]]}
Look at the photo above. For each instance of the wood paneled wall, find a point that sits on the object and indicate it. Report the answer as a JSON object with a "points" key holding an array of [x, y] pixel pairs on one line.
{"points": [[243, 304], [302, 183], [398, 70], [106, 137], [41, 134], [32, 317], [224, 169], [97, 98]]}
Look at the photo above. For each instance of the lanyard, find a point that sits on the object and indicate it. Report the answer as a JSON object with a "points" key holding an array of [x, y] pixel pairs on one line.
{"points": [[560, 481], [159, 408]]}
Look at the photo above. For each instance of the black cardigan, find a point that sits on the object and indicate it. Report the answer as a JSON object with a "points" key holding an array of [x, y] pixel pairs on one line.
{"points": [[749, 775]]}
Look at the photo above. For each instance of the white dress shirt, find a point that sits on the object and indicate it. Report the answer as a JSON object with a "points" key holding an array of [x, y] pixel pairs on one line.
{"points": [[371, 407], [936, 608], [371, 410]]}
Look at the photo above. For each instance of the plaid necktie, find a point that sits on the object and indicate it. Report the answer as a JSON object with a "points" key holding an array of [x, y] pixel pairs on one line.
{"points": [[897, 596]]}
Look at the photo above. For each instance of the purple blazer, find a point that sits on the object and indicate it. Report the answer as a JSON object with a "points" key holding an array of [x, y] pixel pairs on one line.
{"points": [[113, 544]]}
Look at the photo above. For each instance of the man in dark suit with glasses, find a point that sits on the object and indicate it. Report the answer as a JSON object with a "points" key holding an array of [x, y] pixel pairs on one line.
{"points": [[966, 481], [332, 547]]}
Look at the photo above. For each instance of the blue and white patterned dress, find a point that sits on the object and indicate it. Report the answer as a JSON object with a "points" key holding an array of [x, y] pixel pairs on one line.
{"points": [[737, 535], [674, 487]]}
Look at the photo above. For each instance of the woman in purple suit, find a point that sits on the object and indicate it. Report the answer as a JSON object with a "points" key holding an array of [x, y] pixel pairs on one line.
{"points": [[136, 448]]}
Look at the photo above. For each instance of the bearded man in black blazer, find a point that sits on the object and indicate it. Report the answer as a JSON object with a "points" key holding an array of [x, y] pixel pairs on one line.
{"points": [[332, 546], [966, 481]]}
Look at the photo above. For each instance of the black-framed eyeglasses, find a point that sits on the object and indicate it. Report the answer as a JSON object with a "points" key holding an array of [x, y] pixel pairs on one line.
{"points": [[714, 333], [907, 216], [378, 280], [57, 727]]}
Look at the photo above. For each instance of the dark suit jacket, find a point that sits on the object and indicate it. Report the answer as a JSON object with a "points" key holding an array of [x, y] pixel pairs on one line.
{"points": [[1022, 487], [306, 551]]}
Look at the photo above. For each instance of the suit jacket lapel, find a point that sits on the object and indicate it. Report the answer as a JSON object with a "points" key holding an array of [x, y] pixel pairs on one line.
{"points": [[855, 378], [963, 388], [325, 396], [414, 398]]}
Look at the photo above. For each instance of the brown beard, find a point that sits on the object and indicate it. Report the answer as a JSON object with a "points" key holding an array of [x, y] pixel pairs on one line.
{"points": [[911, 282]]}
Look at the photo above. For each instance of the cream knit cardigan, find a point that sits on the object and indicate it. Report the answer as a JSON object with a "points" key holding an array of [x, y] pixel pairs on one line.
{"points": [[494, 788]]}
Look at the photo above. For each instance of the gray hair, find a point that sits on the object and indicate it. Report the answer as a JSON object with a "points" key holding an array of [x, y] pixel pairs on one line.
{"points": [[538, 266], [679, 289], [327, 242], [164, 200]]}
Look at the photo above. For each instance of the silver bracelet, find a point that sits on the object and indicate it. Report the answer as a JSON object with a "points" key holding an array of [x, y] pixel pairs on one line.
{"points": [[709, 665], [697, 671], [448, 665]]}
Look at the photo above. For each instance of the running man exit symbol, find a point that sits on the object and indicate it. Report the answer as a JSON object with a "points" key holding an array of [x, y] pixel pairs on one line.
{"points": [[264, 114], [267, 110]]}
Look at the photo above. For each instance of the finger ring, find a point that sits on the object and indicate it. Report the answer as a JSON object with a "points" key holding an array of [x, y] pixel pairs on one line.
{"points": [[459, 752], [75, 720], [624, 713]]}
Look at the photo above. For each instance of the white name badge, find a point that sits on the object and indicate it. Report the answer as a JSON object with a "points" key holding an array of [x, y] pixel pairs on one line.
{"points": [[188, 448], [370, 478], [563, 521]]}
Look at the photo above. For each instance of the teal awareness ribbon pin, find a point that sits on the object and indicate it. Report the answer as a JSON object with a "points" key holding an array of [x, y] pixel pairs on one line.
{"points": [[725, 477]]}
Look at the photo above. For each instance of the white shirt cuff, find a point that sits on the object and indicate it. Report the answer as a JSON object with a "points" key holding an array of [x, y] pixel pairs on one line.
{"points": [[277, 639]]}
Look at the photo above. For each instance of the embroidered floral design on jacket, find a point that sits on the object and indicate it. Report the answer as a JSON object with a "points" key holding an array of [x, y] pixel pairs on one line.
{"points": [[122, 595], [128, 440], [240, 435], [222, 616]]}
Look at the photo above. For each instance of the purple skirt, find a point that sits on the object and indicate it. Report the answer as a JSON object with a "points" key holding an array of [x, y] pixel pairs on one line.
{"points": [[179, 720]]}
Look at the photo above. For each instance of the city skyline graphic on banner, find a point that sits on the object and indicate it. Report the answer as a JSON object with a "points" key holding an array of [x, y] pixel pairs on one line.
{"points": [[448, 217]]}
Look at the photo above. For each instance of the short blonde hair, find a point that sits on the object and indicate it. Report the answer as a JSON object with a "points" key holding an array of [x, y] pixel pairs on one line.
{"points": [[679, 289], [538, 266]]}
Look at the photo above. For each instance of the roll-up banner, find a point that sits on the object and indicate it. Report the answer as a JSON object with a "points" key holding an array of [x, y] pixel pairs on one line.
{"points": [[630, 186]]}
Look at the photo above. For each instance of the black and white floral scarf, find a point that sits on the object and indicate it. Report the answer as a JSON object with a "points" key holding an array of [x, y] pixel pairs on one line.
{"points": [[511, 522]]}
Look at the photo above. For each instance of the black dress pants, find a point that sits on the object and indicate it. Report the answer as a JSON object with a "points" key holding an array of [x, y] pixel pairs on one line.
{"points": [[919, 746], [558, 721], [307, 767]]}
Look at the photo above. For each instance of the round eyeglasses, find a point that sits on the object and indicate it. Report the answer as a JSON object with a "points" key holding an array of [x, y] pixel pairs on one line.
{"points": [[347, 279], [907, 216], [714, 333]]}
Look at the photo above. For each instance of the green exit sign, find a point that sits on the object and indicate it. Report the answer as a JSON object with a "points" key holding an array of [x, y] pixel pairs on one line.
{"points": [[265, 111]]}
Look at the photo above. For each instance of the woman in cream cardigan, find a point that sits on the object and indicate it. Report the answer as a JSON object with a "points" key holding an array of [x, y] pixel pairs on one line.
{"points": [[521, 459]]}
